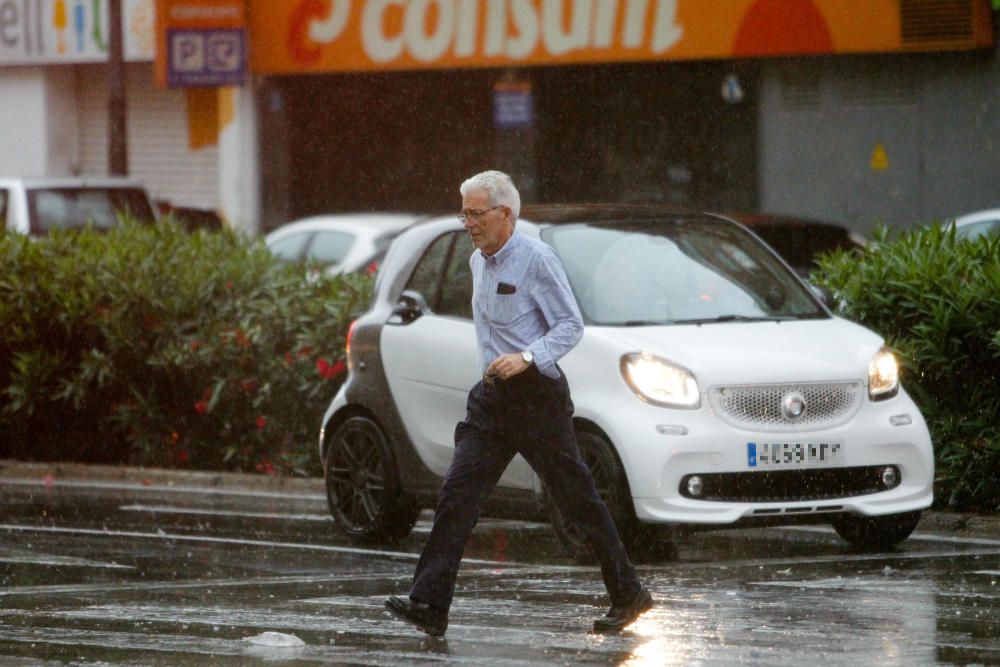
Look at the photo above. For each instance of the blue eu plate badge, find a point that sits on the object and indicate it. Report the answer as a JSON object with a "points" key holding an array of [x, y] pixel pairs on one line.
{"points": [[752, 454]]}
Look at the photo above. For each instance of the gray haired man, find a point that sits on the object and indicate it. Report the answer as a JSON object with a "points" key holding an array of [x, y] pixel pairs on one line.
{"points": [[526, 319]]}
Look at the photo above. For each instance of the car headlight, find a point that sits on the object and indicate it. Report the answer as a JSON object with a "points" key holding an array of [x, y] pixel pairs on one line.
{"points": [[660, 382], [883, 376]]}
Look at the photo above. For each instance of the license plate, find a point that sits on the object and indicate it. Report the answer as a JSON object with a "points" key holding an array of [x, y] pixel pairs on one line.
{"points": [[794, 454]]}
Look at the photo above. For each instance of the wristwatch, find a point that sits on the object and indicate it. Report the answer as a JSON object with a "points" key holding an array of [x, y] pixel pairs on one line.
{"points": [[528, 357]]}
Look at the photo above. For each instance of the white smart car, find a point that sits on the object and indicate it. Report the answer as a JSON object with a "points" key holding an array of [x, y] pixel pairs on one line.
{"points": [[712, 387]]}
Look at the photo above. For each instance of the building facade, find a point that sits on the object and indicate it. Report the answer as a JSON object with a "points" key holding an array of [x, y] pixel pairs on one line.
{"points": [[859, 112], [854, 111], [54, 95]]}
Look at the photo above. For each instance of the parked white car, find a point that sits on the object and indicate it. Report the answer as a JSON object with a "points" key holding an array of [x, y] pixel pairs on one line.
{"points": [[37, 206], [974, 225], [342, 243], [712, 388]]}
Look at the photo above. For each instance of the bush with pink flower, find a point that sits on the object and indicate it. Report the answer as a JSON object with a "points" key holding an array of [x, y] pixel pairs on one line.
{"points": [[148, 345]]}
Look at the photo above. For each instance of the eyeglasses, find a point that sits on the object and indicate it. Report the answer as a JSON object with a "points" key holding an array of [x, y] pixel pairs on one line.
{"points": [[475, 215]]}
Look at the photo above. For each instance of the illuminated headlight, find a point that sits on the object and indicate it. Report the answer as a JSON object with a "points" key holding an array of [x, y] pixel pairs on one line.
{"points": [[883, 376], [660, 382]]}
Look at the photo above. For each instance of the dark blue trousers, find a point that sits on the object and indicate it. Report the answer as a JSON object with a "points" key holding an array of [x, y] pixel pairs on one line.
{"points": [[529, 414]]}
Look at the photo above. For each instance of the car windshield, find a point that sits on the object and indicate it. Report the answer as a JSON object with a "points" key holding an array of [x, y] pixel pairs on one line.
{"points": [[676, 271], [67, 208]]}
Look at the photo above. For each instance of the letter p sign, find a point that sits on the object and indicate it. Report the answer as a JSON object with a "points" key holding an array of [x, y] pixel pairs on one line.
{"points": [[188, 52]]}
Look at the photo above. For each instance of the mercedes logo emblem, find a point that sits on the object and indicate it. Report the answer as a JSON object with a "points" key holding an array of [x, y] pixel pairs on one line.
{"points": [[793, 406]]}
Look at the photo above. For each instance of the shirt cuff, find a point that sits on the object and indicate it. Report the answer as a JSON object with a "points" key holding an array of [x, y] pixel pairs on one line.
{"points": [[543, 360]]}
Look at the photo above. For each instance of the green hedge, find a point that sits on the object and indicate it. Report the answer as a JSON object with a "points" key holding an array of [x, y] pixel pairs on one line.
{"points": [[148, 345], [937, 301]]}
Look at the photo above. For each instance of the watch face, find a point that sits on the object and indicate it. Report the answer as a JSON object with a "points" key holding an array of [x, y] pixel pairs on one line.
{"points": [[527, 356]]}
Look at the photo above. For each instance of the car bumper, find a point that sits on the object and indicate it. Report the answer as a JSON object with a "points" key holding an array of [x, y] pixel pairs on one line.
{"points": [[661, 448]]}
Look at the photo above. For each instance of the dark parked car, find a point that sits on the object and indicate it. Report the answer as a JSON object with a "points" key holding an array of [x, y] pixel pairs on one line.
{"points": [[193, 218], [800, 241]]}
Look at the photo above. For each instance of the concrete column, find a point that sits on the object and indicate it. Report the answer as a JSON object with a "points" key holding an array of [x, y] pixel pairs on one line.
{"points": [[239, 159]]}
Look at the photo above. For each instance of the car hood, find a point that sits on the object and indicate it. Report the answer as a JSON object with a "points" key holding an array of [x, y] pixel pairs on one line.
{"points": [[757, 352]]}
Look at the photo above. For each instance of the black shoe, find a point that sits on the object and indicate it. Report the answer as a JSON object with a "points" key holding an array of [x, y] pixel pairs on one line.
{"points": [[427, 619], [618, 617]]}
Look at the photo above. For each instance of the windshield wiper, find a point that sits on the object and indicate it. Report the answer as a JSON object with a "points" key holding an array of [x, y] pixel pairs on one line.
{"points": [[645, 323], [735, 318]]}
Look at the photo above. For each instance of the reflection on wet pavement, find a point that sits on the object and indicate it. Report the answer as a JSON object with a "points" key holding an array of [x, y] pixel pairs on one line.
{"points": [[156, 576]]}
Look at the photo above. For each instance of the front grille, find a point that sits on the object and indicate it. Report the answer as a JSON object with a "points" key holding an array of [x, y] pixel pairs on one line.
{"points": [[759, 407], [787, 485]]}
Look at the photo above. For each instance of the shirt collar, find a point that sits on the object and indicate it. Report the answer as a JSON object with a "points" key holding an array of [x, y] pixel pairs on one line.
{"points": [[501, 255]]}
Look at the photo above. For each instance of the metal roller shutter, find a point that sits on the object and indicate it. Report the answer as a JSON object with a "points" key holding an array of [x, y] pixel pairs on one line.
{"points": [[158, 148]]}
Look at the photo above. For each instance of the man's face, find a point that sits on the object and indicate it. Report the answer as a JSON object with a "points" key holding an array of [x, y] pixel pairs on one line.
{"points": [[488, 229]]}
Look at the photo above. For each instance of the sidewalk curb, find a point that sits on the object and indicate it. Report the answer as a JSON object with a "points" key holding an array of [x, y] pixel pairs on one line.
{"points": [[960, 524], [154, 477]]}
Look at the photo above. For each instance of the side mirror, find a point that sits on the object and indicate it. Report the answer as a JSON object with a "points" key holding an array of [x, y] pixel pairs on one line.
{"points": [[824, 295], [411, 305]]}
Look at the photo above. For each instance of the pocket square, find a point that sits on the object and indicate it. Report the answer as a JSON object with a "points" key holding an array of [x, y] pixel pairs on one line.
{"points": [[506, 288]]}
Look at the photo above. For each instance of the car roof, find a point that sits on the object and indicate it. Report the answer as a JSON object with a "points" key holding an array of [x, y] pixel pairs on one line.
{"points": [[69, 182], [374, 222], [563, 213], [765, 219], [978, 216]]}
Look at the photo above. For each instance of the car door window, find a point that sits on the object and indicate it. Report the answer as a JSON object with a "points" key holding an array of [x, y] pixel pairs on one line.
{"points": [[330, 247], [456, 289], [975, 230], [426, 277], [290, 247]]}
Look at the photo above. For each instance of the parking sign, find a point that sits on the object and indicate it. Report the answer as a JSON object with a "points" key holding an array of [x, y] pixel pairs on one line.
{"points": [[205, 58], [201, 43]]}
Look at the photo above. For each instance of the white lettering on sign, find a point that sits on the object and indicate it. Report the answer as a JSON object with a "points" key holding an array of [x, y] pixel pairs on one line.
{"points": [[326, 31], [205, 13], [511, 28]]}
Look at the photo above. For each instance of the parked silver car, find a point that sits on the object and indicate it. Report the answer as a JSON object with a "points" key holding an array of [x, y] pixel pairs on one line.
{"points": [[342, 243], [973, 225]]}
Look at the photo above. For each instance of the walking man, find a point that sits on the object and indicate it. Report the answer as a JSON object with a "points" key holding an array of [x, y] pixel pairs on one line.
{"points": [[526, 319]]}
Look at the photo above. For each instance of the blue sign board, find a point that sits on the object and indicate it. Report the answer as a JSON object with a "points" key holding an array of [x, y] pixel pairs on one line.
{"points": [[205, 58], [513, 107]]}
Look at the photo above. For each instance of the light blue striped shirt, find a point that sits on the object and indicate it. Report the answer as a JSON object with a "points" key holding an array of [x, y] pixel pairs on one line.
{"points": [[521, 300]]}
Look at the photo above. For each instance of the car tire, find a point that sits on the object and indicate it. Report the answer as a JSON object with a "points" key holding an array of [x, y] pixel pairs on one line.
{"points": [[876, 532], [641, 541], [362, 484]]}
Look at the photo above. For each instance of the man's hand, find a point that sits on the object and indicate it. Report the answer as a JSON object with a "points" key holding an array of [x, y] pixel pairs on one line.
{"points": [[507, 366]]}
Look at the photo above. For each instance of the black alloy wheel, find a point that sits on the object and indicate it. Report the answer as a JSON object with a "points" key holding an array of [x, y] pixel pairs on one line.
{"points": [[876, 532], [362, 484], [642, 542]]}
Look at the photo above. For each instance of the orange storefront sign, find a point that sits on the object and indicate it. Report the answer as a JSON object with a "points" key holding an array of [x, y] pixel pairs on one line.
{"points": [[358, 35]]}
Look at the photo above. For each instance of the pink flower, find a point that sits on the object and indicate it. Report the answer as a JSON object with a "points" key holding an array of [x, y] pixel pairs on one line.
{"points": [[328, 371], [261, 423]]}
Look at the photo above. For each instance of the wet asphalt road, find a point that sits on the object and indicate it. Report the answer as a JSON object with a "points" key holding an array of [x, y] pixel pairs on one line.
{"points": [[106, 573]]}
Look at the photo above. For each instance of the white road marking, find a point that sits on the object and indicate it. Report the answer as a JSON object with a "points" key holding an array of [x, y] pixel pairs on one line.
{"points": [[914, 537], [153, 488], [59, 561], [168, 509], [207, 584], [180, 537]]}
